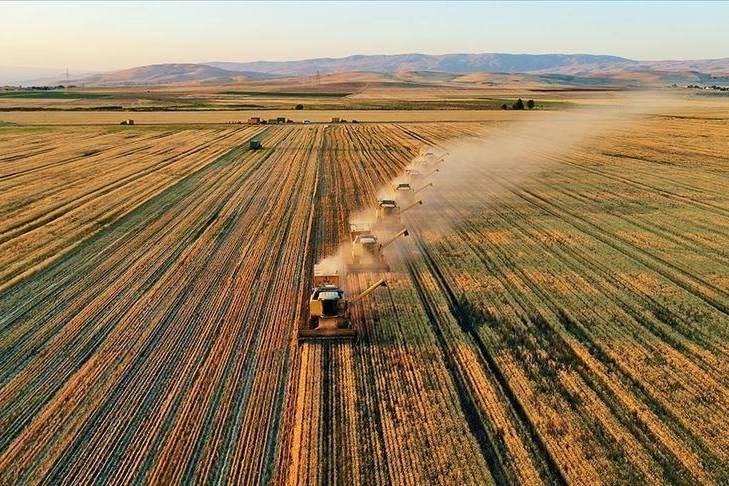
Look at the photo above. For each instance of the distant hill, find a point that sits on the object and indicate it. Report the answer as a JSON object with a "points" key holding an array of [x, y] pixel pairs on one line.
{"points": [[571, 69], [715, 67], [157, 74], [571, 64], [28, 76], [449, 63]]}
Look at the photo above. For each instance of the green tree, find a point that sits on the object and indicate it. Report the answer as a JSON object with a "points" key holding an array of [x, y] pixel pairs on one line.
{"points": [[530, 104], [299, 106], [518, 105]]}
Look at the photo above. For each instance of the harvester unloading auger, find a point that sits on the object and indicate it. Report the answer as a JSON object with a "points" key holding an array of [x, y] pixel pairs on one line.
{"points": [[366, 254], [328, 317], [429, 184]]}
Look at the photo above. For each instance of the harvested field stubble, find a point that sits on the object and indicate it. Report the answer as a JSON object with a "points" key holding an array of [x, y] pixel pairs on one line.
{"points": [[557, 314]]}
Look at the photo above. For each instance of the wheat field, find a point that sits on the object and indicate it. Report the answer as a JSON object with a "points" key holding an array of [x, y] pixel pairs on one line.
{"points": [[559, 313]]}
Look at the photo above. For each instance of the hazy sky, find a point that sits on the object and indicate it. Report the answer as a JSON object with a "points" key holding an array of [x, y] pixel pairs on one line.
{"points": [[117, 35]]}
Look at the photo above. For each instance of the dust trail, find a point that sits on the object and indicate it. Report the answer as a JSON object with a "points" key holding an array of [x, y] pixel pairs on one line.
{"points": [[467, 179], [335, 264], [362, 216], [456, 181]]}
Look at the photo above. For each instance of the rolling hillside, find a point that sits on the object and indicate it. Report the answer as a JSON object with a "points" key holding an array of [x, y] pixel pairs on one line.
{"points": [[168, 74], [570, 69]]}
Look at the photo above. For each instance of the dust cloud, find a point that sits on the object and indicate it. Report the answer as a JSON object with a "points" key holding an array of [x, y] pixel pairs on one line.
{"points": [[480, 167], [335, 264], [459, 177]]}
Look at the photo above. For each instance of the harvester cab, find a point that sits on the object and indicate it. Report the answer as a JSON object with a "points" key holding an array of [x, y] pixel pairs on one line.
{"points": [[330, 300], [328, 317]]}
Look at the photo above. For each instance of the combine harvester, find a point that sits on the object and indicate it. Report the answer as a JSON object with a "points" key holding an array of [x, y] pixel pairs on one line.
{"points": [[406, 192], [387, 213], [329, 309], [428, 160], [366, 254]]}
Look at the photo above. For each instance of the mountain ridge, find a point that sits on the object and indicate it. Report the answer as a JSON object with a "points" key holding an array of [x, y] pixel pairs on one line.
{"points": [[590, 68], [453, 63]]}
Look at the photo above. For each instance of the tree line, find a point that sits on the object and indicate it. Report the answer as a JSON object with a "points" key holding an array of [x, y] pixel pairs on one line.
{"points": [[519, 105]]}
